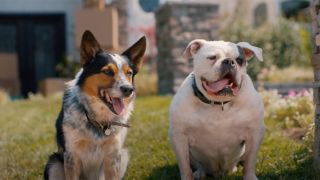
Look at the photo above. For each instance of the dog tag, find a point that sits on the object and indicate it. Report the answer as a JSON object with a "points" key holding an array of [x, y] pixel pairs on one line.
{"points": [[222, 106], [107, 132]]}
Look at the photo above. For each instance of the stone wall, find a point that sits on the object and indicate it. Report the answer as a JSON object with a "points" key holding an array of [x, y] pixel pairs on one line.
{"points": [[177, 24]]}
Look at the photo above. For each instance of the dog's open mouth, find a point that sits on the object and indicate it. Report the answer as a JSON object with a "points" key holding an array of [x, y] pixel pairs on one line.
{"points": [[225, 86], [115, 104]]}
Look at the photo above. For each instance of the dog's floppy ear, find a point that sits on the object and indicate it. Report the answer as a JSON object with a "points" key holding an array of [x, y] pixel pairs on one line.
{"points": [[136, 52], [193, 48], [89, 47], [250, 51]]}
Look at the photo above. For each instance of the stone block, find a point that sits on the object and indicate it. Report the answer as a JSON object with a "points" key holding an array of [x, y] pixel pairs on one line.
{"points": [[177, 24]]}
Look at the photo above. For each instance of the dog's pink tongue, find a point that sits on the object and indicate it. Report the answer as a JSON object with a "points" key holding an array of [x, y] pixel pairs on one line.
{"points": [[118, 106], [217, 86]]}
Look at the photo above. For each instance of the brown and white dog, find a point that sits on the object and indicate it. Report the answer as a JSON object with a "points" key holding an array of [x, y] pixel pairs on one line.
{"points": [[92, 125], [216, 117]]}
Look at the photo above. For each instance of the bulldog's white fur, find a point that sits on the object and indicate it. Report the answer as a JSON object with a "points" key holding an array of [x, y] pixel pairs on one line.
{"points": [[205, 137]]}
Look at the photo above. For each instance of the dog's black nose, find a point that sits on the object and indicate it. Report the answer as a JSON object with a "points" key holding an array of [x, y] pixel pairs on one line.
{"points": [[228, 62], [126, 90]]}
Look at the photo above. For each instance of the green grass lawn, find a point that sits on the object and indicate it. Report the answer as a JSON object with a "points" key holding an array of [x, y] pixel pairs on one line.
{"points": [[27, 138]]}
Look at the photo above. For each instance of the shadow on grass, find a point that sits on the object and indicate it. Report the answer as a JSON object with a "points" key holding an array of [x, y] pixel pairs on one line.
{"points": [[303, 171], [168, 172]]}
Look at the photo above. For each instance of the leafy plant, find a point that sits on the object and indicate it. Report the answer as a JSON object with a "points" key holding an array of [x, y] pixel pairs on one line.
{"points": [[291, 74], [283, 44], [146, 81], [67, 68], [296, 111]]}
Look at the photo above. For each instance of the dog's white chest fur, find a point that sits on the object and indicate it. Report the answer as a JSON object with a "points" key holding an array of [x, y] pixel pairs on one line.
{"points": [[216, 138]]}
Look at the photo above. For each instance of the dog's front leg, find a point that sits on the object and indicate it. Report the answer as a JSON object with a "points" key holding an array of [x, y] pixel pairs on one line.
{"points": [[252, 145], [112, 166], [72, 166], [180, 145]]}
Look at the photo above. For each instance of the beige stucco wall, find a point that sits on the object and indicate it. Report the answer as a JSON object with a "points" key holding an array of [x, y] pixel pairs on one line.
{"points": [[272, 9]]}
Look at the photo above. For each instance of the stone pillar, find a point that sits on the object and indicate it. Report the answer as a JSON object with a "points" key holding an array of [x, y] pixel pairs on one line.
{"points": [[315, 12], [176, 25]]}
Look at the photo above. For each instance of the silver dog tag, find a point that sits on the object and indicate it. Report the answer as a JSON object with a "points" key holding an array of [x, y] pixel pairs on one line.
{"points": [[107, 132]]}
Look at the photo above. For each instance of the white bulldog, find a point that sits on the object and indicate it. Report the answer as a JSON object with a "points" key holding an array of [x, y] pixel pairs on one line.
{"points": [[216, 117]]}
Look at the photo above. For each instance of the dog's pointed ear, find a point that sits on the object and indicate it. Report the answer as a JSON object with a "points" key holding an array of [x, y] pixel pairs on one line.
{"points": [[250, 51], [136, 52], [193, 48], [89, 47]]}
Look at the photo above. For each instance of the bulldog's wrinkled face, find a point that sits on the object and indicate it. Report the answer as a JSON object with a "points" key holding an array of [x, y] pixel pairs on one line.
{"points": [[220, 66]]}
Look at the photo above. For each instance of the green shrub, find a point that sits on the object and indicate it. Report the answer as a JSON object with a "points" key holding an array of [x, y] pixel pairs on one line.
{"points": [[285, 43], [146, 81], [295, 111], [67, 67], [291, 74]]}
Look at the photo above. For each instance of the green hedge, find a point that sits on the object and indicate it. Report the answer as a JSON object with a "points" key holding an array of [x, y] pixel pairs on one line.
{"points": [[284, 43]]}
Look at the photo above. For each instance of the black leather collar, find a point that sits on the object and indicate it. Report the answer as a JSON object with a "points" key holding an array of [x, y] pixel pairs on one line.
{"points": [[202, 98], [105, 128]]}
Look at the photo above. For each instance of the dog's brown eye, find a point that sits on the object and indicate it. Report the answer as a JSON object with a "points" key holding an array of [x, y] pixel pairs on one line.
{"points": [[108, 72], [212, 58], [129, 73]]}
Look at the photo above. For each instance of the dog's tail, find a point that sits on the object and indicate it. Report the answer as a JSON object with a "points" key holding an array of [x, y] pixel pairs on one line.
{"points": [[54, 167]]}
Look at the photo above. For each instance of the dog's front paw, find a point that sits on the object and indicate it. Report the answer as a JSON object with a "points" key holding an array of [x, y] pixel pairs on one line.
{"points": [[199, 174], [250, 177], [187, 176]]}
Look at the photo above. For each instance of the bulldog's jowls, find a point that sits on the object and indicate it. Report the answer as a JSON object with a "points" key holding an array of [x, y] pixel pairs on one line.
{"points": [[216, 117]]}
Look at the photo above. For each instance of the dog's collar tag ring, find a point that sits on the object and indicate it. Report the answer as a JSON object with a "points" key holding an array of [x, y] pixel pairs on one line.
{"points": [[107, 129], [107, 132], [221, 103]]}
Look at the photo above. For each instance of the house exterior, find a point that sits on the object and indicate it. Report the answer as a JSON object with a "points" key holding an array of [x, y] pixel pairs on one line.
{"points": [[37, 34], [255, 12], [49, 8]]}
